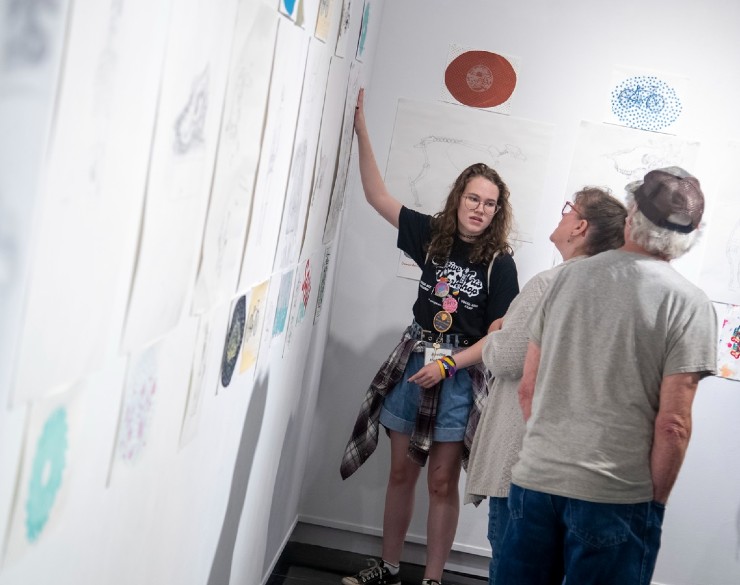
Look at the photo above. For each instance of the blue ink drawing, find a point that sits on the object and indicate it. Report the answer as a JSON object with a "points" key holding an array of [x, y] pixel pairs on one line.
{"points": [[46, 473], [646, 103], [363, 29]]}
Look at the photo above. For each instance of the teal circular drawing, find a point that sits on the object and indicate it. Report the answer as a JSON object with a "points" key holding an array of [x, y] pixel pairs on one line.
{"points": [[46, 472]]}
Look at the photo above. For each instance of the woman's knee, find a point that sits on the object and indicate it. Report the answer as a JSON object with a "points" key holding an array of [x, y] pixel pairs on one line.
{"points": [[442, 483]]}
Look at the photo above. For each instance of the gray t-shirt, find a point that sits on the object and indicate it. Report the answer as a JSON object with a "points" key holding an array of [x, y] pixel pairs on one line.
{"points": [[609, 329]]}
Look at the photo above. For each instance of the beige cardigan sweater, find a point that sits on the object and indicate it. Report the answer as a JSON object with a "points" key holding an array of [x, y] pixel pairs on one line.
{"points": [[498, 438]]}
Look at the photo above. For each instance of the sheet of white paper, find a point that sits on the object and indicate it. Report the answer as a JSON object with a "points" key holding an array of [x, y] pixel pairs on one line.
{"points": [[204, 368], [326, 156], [189, 115], [47, 463], [646, 100], [720, 273], [367, 18], [272, 178], [93, 190], [238, 155], [304, 155], [345, 19], [612, 156], [324, 20], [345, 149], [433, 143], [289, 8], [31, 41]]}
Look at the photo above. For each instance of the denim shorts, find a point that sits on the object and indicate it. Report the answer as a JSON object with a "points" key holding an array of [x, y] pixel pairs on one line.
{"points": [[455, 401]]}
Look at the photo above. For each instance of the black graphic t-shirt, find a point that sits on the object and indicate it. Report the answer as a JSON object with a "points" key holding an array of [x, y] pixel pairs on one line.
{"points": [[479, 302]]}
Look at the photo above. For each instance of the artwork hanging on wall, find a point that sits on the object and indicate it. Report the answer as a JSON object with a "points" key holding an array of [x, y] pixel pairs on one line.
{"points": [[204, 367], [137, 408], [283, 303], [433, 143], [326, 157], [720, 274], [32, 42], [480, 79], [290, 8], [345, 20], [299, 300], [94, 188], [336, 203], [253, 326], [612, 156], [322, 284], [728, 350], [303, 162], [238, 154], [182, 157], [646, 100], [323, 20], [44, 475], [233, 341], [274, 166], [362, 39]]}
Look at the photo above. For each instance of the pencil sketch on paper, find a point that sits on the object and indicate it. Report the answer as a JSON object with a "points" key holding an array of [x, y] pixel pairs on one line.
{"points": [[292, 210], [27, 24], [106, 72], [733, 257], [191, 121], [634, 162], [197, 376], [457, 152]]}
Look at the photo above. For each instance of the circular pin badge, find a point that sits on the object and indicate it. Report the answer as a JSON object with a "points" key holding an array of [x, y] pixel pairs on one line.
{"points": [[442, 321], [442, 288], [449, 304]]}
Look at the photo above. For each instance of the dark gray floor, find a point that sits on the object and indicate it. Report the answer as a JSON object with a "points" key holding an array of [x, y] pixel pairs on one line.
{"points": [[305, 564]]}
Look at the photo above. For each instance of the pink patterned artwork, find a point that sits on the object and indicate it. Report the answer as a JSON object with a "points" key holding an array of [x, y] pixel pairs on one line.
{"points": [[138, 403], [728, 352]]}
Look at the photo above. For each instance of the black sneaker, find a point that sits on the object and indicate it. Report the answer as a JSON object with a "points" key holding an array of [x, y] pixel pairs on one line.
{"points": [[375, 574]]}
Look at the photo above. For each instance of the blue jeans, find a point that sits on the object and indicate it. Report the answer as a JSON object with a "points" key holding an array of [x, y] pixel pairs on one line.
{"points": [[604, 544], [498, 520]]}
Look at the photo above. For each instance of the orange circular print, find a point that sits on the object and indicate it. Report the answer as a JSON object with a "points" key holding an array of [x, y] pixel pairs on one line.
{"points": [[480, 79]]}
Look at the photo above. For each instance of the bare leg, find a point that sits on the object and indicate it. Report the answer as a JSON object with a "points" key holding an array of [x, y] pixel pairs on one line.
{"points": [[445, 460], [399, 498]]}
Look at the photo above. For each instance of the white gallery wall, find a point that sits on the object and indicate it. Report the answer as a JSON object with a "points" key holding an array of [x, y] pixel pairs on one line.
{"points": [[171, 184], [567, 54]]}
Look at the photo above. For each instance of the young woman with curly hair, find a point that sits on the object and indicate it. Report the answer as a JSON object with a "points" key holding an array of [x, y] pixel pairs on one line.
{"points": [[468, 280]]}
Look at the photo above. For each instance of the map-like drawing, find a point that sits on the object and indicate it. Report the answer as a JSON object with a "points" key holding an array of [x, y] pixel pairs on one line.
{"points": [[191, 122], [457, 152], [138, 407], [633, 163], [27, 31]]}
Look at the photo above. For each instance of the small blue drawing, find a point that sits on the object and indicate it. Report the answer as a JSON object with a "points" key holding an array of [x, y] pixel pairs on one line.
{"points": [[46, 473], [646, 103], [289, 6], [363, 29]]}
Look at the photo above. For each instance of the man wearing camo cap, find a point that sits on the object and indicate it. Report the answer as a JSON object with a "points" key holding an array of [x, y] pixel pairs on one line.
{"points": [[617, 347]]}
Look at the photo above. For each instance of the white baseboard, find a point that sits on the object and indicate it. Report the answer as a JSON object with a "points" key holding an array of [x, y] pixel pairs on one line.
{"points": [[367, 541]]}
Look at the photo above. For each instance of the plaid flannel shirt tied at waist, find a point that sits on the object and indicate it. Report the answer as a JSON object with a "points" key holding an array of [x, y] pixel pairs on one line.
{"points": [[364, 437]]}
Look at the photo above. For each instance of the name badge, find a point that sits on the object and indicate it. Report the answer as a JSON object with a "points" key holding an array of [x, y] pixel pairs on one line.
{"points": [[435, 352]]}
